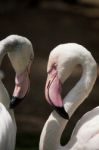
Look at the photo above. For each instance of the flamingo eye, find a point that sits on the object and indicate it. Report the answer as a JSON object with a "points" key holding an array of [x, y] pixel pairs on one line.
{"points": [[54, 67]]}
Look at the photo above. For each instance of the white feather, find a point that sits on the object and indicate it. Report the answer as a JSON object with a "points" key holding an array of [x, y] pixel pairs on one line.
{"points": [[7, 130]]}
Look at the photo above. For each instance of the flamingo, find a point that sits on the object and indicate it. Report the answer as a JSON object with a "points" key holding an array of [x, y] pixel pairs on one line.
{"points": [[62, 61], [20, 53]]}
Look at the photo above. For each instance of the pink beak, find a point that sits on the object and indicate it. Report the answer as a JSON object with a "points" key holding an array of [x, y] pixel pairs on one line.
{"points": [[53, 89], [53, 93], [22, 84]]}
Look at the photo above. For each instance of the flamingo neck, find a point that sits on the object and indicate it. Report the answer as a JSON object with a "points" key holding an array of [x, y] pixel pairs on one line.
{"points": [[4, 96], [82, 89], [5, 100], [51, 133], [54, 126]]}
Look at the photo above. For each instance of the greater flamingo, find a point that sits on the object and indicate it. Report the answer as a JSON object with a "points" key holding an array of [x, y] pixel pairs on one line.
{"points": [[62, 61], [20, 52]]}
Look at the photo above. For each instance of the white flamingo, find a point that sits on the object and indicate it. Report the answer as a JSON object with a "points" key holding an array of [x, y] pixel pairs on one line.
{"points": [[20, 52], [62, 61]]}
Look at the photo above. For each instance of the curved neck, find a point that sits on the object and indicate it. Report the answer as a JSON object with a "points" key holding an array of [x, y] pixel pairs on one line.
{"points": [[51, 133], [5, 99], [4, 96], [82, 89], [54, 126]]}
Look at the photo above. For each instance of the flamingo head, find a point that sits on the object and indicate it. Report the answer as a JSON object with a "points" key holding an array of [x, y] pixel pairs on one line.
{"points": [[60, 65], [21, 56]]}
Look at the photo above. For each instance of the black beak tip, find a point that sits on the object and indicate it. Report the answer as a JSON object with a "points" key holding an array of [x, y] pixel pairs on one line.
{"points": [[14, 102], [61, 111]]}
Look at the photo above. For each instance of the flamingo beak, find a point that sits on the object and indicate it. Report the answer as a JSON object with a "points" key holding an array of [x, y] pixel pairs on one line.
{"points": [[22, 85], [53, 94]]}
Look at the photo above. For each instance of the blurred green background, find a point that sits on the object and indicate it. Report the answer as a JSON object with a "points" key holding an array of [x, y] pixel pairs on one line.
{"points": [[48, 23]]}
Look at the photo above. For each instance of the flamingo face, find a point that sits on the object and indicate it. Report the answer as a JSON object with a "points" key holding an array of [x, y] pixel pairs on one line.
{"points": [[20, 53], [53, 92], [22, 85], [53, 88], [59, 68]]}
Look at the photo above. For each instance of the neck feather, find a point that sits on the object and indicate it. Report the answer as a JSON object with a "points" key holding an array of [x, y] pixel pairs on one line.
{"points": [[82, 89], [51, 133], [4, 96]]}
